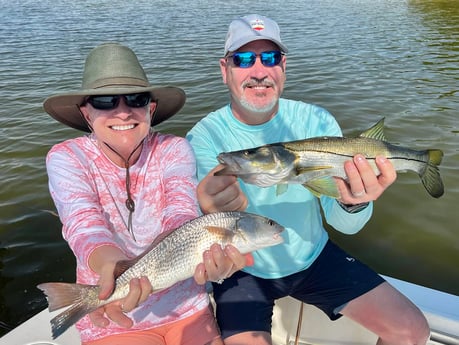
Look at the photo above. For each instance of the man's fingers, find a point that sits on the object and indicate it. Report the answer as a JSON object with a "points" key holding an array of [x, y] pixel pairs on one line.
{"points": [[200, 275], [239, 261]]}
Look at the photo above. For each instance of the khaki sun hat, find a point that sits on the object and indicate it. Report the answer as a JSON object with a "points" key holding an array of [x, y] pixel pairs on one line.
{"points": [[113, 69]]}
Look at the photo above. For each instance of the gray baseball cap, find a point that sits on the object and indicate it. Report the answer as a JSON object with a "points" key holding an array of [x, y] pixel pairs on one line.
{"points": [[251, 28]]}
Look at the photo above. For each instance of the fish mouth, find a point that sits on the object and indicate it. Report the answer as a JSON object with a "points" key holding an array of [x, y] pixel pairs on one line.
{"points": [[231, 166], [225, 171], [278, 237], [221, 159]]}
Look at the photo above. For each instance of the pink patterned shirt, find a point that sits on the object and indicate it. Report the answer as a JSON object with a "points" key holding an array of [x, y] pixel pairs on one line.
{"points": [[89, 192]]}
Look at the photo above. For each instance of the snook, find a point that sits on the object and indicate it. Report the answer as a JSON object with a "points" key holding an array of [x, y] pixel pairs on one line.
{"points": [[315, 161], [169, 260]]}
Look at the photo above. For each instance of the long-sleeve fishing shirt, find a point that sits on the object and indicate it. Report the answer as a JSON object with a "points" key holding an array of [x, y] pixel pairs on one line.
{"points": [[297, 209], [89, 192]]}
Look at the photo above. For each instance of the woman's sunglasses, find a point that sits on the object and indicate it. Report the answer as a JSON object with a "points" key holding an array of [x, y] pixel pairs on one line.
{"points": [[247, 59], [109, 102]]}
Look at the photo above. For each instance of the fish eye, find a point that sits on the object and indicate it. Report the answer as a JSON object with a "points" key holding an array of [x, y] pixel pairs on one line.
{"points": [[270, 222], [249, 152]]}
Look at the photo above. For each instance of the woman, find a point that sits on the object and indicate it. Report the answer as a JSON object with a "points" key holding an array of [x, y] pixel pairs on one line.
{"points": [[119, 188]]}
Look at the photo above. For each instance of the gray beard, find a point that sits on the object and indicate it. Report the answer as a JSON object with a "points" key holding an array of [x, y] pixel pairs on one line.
{"points": [[257, 109]]}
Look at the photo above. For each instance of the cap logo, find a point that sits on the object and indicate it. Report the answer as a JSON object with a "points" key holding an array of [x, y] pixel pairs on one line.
{"points": [[257, 24]]}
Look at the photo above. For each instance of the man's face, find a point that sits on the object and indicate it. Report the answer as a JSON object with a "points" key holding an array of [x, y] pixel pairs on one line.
{"points": [[255, 90]]}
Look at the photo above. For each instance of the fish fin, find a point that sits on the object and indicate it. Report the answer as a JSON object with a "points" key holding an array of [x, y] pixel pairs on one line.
{"points": [[74, 296], [430, 177], [123, 265], [323, 186], [281, 189], [218, 230], [435, 156], [375, 132]]}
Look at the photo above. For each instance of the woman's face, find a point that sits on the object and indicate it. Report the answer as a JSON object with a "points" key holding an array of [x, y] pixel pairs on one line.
{"points": [[122, 128]]}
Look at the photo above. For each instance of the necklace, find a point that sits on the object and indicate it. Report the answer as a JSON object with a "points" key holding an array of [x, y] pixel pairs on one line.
{"points": [[130, 204]]}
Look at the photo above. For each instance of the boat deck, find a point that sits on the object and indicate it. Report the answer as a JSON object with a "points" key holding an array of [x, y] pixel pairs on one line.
{"points": [[441, 310]]}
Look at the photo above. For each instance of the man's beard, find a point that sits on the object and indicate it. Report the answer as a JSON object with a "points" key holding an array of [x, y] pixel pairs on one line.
{"points": [[257, 108], [253, 106]]}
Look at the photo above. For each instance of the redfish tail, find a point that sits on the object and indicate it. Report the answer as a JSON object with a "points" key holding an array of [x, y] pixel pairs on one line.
{"points": [[430, 177], [73, 296]]}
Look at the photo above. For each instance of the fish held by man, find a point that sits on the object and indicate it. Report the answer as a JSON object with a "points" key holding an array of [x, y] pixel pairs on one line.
{"points": [[314, 162], [170, 259]]}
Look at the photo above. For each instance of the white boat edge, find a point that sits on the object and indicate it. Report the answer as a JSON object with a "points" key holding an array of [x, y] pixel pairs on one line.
{"points": [[440, 308]]}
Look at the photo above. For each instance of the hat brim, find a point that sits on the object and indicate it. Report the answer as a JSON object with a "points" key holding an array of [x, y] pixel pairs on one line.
{"points": [[246, 40], [65, 108]]}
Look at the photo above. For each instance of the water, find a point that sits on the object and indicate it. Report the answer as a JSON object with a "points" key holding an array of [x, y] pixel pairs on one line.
{"points": [[361, 60]]}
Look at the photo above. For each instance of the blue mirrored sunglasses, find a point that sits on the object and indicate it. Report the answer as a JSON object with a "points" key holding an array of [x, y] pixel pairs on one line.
{"points": [[109, 102], [247, 59]]}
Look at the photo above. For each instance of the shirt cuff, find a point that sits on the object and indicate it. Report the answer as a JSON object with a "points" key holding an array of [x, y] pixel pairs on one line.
{"points": [[349, 208]]}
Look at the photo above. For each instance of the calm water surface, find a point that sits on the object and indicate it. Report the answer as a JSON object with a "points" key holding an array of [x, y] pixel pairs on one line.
{"points": [[361, 60]]}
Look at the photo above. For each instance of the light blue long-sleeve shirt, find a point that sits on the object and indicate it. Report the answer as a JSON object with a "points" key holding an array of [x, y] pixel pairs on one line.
{"points": [[298, 210]]}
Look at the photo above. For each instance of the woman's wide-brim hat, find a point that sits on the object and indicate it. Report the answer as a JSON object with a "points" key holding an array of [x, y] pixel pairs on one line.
{"points": [[113, 69]]}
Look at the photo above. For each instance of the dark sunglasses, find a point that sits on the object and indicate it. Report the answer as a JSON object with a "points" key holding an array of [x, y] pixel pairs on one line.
{"points": [[247, 59], [109, 102]]}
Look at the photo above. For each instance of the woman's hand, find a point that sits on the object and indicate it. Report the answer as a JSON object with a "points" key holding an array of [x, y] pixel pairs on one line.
{"points": [[103, 261]]}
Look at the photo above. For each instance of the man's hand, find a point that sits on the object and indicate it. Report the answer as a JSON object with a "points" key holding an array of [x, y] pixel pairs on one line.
{"points": [[220, 193], [219, 264], [363, 185]]}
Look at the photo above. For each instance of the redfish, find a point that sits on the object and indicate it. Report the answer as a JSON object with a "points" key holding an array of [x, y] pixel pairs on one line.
{"points": [[170, 259]]}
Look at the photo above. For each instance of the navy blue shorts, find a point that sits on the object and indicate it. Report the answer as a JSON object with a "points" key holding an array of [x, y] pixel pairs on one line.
{"points": [[245, 302]]}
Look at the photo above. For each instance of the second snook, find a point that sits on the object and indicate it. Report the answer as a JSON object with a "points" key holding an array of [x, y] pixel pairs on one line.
{"points": [[170, 259], [313, 162]]}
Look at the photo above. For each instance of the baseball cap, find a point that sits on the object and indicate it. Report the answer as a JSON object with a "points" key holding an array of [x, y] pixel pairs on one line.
{"points": [[251, 28]]}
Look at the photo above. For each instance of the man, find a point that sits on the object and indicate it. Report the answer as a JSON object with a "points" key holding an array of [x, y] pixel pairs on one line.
{"points": [[308, 266]]}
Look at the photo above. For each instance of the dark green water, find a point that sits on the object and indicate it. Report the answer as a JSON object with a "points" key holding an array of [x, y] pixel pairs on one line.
{"points": [[359, 59]]}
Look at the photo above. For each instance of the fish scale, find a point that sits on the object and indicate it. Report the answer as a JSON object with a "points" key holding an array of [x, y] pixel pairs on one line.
{"points": [[164, 267]]}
